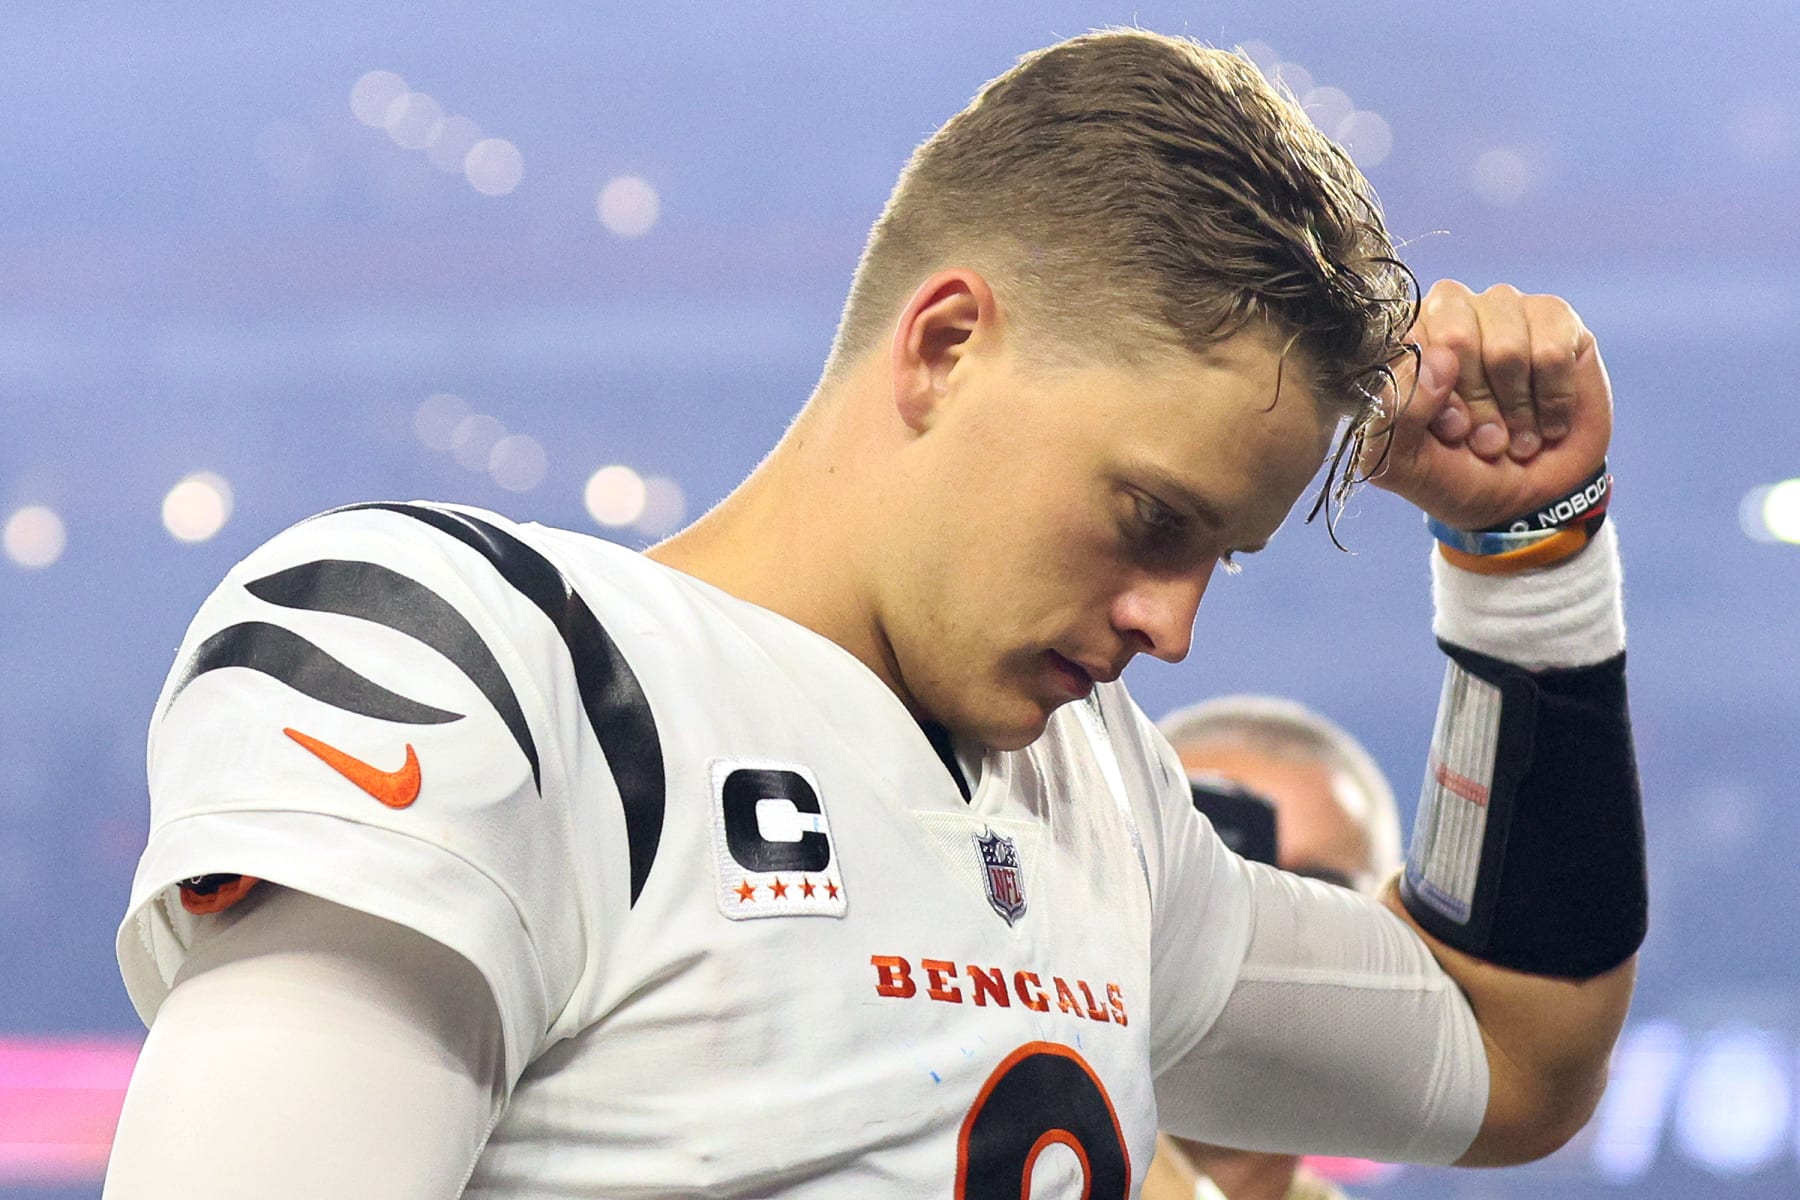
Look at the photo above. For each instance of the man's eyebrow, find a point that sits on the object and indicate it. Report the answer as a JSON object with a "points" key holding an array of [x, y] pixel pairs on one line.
{"points": [[1165, 481]]}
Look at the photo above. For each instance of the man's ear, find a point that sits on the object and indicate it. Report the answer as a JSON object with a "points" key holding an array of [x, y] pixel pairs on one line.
{"points": [[951, 313]]}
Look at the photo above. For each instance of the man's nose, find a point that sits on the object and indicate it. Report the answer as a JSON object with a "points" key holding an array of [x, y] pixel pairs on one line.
{"points": [[1156, 612]]}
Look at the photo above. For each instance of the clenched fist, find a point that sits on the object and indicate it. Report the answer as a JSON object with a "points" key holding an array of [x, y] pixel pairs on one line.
{"points": [[1512, 407]]}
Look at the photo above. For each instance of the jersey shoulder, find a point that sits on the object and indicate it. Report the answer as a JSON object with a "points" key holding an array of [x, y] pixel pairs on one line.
{"points": [[470, 586], [383, 706]]}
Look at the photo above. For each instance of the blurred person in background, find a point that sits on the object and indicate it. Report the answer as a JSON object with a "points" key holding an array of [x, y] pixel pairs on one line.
{"points": [[819, 851], [1282, 784]]}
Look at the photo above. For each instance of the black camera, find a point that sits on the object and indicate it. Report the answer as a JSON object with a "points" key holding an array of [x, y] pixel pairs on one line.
{"points": [[1244, 820]]}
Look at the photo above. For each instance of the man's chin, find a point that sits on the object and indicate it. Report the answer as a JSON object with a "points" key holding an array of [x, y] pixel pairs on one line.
{"points": [[1000, 716], [1017, 732], [1012, 739]]}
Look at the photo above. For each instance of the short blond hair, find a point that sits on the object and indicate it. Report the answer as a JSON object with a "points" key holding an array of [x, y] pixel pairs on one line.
{"points": [[1126, 191]]}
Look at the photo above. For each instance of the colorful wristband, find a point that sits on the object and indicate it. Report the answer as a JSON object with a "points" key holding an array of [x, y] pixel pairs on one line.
{"points": [[1484, 541], [1560, 545]]}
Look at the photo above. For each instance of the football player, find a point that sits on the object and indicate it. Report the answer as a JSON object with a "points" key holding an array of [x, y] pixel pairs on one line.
{"points": [[818, 851]]}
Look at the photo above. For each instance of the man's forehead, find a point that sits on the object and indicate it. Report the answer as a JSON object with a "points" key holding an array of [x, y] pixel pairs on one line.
{"points": [[1263, 356], [1246, 375], [1235, 469]]}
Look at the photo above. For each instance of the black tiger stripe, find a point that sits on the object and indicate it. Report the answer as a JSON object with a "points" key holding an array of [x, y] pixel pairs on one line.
{"points": [[372, 592], [616, 707], [284, 655]]}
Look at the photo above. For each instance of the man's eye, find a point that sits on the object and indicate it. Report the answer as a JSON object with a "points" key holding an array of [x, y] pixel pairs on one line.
{"points": [[1160, 523]]}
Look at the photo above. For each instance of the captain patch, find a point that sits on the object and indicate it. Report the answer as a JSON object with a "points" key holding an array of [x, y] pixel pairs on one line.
{"points": [[772, 843]]}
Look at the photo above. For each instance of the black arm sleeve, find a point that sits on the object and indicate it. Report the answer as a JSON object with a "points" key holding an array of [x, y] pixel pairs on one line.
{"points": [[1561, 887]]}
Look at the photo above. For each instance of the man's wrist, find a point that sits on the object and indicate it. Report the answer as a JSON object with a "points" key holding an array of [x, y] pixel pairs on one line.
{"points": [[1567, 615], [1586, 505], [1532, 540]]}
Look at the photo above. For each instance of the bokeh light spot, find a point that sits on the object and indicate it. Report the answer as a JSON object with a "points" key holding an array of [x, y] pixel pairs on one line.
{"points": [[615, 496], [1368, 138], [451, 143], [1736, 1102], [34, 537], [1262, 54], [493, 166], [474, 438], [413, 120], [371, 95], [665, 506], [436, 419], [1500, 177], [1327, 106], [629, 206], [518, 463], [1627, 1129], [197, 507], [1750, 514], [1781, 511], [1296, 78]]}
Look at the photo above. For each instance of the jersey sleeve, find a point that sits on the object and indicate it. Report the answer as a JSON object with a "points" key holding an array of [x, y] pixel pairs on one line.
{"points": [[309, 1050], [368, 711], [1290, 1015], [1341, 1035]]}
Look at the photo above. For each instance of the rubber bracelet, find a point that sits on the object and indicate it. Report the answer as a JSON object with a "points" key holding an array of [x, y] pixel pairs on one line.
{"points": [[1586, 503], [1484, 541], [1564, 543]]}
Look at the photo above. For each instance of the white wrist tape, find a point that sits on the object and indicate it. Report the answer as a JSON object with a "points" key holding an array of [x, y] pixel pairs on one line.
{"points": [[1568, 615]]}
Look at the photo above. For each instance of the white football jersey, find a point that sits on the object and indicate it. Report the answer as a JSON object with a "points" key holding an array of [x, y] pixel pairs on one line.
{"points": [[745, 935]]}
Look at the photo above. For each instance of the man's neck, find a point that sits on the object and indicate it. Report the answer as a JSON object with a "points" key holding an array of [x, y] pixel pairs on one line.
{"points": [[789, 537]]}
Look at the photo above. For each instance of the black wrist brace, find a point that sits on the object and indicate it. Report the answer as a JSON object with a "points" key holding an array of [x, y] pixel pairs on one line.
{"points": [[1529, 846]]}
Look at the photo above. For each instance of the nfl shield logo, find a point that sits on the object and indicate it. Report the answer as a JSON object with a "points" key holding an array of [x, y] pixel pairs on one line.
{"points": [[1000, 871]]}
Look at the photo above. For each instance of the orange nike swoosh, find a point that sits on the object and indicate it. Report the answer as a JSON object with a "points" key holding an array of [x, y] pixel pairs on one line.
{"points": [[396, 789]]}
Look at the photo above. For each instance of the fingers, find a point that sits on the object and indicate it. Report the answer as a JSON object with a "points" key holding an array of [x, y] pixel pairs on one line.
{"points": [[1515, 358], [1438, 370], [1506, 359], [1559, 340], [1420, 405], [1447, 321]]}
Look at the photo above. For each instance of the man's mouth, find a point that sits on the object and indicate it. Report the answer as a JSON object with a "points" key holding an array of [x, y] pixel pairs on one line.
{"points": [[1075, 679]]}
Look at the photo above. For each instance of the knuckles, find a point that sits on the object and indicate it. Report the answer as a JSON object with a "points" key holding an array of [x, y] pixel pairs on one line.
{"points": [[1508, 356], [1446, 289], [1451, 315], [1459, 336], [1548, 357]]}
